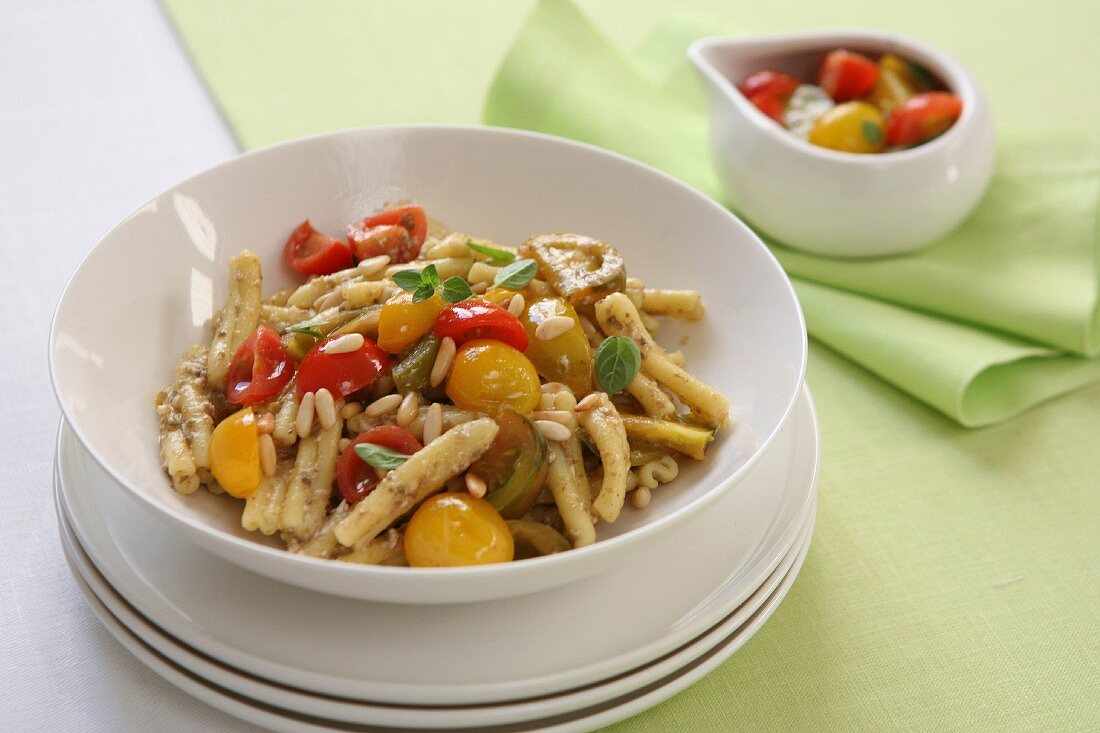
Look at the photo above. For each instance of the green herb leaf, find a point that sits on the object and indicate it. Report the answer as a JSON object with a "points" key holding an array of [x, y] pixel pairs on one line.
{"points": [[380, 457], [920, 74], [617, 363], [498, 255], [407, 279], [430, 276], [309, 329], [423, 292], [455, 289], [872, 132], [516, 275]]}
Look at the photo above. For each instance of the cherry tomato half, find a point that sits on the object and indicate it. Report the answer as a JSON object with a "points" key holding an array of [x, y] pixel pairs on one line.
{"points": [[769, 104], [354, 477], [774, 83], [922, 117], [480, 319], [259, 370], [846, 75], [384, 240], [312, 253], [410, 218], [341, 374]]}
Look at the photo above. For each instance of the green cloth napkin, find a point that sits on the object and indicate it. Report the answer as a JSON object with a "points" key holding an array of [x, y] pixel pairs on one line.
{"points": [[984, 324], [954, 578]]}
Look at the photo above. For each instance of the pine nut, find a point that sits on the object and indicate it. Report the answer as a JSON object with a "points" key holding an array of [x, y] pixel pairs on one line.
{"points": [[328, 300], [553, 430], [325, 406], [267, 454], [552, 387], [588, 403], [433, 423], [266, 423], [408, 410], [351, 409], [479, 288], [516, 304], [587, 327], [443, 360], [343, 444], [553, 327], [640, 498], [373, 265], [345, 344], [383, 405], [303, 422], [475, 485], [558, 416]]}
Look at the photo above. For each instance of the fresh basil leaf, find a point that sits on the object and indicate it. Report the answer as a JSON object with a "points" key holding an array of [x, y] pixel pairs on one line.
{"points": [[455, 289], [516, 275], [407, 279], [497, 255], [309, 329], [617, 363], [872, 132], [430, 276], [423, 292], [380, 457]]}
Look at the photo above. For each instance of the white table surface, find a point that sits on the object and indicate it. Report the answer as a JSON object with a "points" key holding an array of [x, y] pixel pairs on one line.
{"points": [[99, 111]]}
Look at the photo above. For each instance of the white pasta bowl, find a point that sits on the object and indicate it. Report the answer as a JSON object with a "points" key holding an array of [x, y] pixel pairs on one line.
{"points": [[148, 290], [833, 202]]}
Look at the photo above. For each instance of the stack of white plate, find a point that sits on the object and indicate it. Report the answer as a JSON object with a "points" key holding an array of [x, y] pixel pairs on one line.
{"points": [[572, 641]]}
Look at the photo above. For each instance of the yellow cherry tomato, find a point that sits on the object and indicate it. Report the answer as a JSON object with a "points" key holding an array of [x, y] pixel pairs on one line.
{"points": [[402, 323], [487, 375], [449, 530], [853, 127], [235, 454], [566, 358]]}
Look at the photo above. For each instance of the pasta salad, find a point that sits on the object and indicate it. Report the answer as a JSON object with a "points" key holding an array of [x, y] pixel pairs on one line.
{"points": [[427, 398]]}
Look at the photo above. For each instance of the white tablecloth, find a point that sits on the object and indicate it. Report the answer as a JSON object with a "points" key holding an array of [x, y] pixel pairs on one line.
{"points": [[99, 111]]}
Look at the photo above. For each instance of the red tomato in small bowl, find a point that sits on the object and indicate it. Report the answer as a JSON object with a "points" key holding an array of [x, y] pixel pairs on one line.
{"points": [[259, 370], [846, 76], [376, 235], [342, 374], [480, 319], [921, 118], [769, 104], [355, 477], [312, 253], [774, 83]]}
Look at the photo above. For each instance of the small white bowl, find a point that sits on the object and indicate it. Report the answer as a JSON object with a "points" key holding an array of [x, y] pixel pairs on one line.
{"points": [[832, 202], [148, 289]]}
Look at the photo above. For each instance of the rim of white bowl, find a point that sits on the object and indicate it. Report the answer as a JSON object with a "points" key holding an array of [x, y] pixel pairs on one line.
{"points": [[350, 570], [945, 67]]}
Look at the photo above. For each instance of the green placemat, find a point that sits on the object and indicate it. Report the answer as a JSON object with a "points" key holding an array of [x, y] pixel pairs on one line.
{"points": [[953, 581]]}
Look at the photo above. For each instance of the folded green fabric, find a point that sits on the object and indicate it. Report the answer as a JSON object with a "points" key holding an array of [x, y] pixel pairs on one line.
{"points": [[984, 324]]}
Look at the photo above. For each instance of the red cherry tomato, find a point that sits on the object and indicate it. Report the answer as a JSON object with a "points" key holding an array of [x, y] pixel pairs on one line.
{"points": [[846, 76], [259, 370], [922, 117], [312, 253], [341, 374], [354, 476], [769, 104], [480, 319], [411, 218], [774, 83]]}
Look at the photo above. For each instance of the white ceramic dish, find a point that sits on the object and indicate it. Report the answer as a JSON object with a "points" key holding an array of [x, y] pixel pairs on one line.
{"points": [[298, 721], [149, 287], [363, 713], [833, 202], [463, 654]]}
